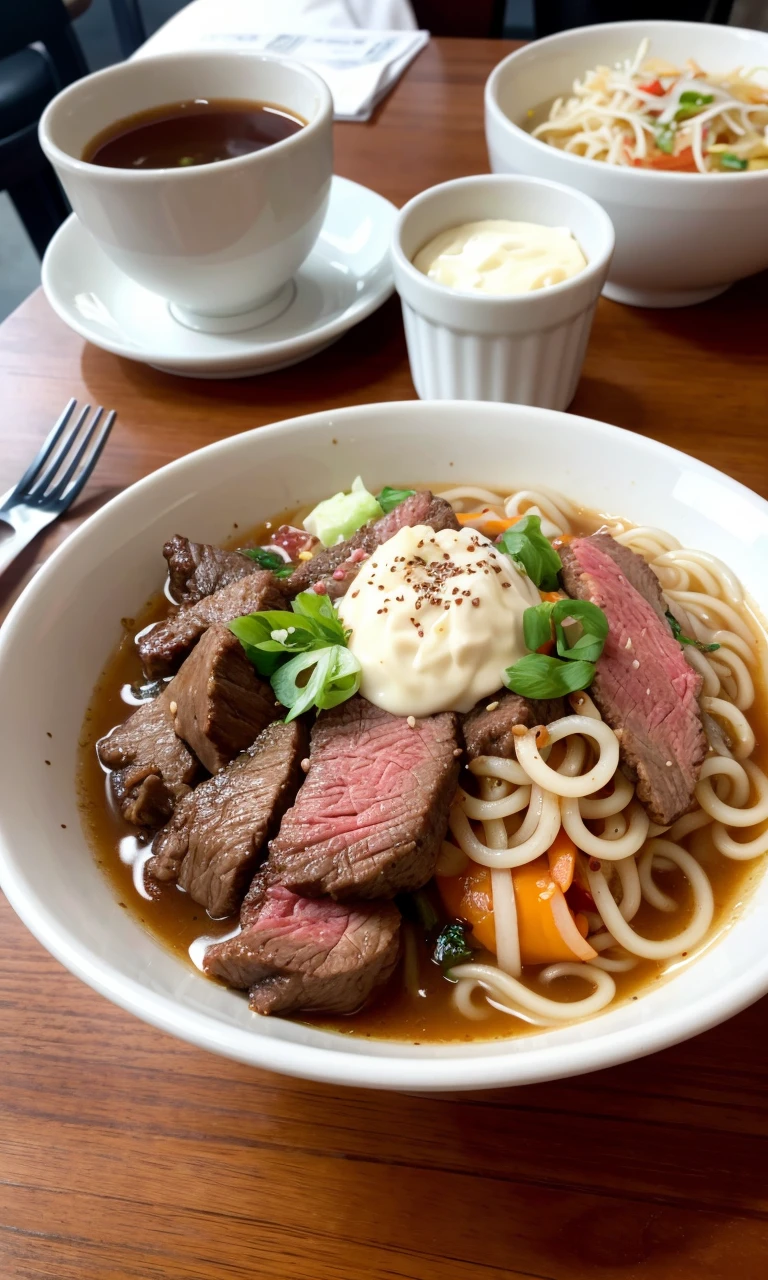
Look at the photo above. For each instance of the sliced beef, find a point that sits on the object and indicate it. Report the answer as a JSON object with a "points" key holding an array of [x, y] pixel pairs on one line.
{"points": [[344, 559], [643, 686], [164, 646], [301, 954], [219, 832], [631, 566], [488, 727], [221, 704], [373, 811], [196, 569], [154, 769]]}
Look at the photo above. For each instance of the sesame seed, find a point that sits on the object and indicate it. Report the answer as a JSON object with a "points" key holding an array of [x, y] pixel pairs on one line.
{"points": [[305, 764], [173, 708], [476, 601], [635, 664], [411, 722], [647, 693], [457, 751], [492, 706], [628, 645], [594, 864], [305, 555], [519, 730]]}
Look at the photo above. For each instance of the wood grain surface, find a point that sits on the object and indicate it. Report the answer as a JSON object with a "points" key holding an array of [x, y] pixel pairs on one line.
{"points": [[125, 1154]]}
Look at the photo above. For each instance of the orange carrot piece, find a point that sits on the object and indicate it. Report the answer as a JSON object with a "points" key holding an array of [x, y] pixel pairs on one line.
{"points": [[562, 859]]}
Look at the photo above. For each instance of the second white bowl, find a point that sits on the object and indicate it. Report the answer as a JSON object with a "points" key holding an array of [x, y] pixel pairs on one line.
{"points": [[523, 348]]}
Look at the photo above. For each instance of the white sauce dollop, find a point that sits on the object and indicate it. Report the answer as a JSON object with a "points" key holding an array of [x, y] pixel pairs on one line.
{"points": [[435, 619], [500, 257]]}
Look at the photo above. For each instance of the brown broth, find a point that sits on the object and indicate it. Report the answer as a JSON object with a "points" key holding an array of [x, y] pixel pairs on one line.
{"points": [[426, 1013], [199, 131]]}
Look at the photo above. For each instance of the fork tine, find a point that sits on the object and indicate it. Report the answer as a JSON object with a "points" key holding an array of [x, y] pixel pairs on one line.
{"points": [[71, 493], [41, 483], [38, 462], [61, 483]]}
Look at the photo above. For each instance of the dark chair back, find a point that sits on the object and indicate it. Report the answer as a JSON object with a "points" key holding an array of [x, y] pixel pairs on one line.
{"points": [[26, 21], [559, 15], [476, 18]]}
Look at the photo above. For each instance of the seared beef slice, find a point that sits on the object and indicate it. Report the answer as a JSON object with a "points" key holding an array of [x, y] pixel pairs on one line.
{"points": [[643, 686], [154, 768], [489, 732], [372, 813], [164, 646], [420, 508], [221, 704], [307, 953], [196, 569], [219, 832]]}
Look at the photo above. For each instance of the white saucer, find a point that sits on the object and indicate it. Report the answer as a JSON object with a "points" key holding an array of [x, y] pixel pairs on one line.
{"points": [[345, 278]]}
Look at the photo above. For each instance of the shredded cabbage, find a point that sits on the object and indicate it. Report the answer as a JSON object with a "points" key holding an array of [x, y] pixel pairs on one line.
{"points": [[337, 518]]}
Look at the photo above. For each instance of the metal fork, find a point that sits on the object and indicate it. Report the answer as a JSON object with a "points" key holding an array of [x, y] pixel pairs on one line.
{"points": [[53, 480]]}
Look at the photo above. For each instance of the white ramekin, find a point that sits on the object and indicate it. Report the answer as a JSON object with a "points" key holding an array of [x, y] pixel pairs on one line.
{"points": [[522, 349]]}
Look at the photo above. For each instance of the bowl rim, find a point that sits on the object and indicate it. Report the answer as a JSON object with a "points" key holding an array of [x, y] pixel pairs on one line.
{"points": [[499, 73], [123, 70], [338, 1066], [591, 272]]}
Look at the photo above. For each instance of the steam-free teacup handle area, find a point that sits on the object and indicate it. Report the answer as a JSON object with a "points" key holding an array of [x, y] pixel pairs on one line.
{"points": [[253, 319]]}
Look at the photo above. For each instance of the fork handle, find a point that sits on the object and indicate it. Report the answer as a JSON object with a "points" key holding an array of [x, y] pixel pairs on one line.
{"points": [[18, 538]]}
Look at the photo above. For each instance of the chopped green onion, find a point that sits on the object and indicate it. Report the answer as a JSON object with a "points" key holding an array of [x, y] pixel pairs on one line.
{"points": [[539, 676], [268, 560], [451, 946], [729, 161], [678, 633], [334, 676], [389, 498], [187, 160], [526, 545], [540, 620], [665, 138]]}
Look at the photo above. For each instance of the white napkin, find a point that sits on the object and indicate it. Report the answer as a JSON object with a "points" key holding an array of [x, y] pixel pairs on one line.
{"points": [[359, 61]]}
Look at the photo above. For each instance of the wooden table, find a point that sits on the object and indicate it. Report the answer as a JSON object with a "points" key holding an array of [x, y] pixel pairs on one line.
{"points": [[125, 1154]]}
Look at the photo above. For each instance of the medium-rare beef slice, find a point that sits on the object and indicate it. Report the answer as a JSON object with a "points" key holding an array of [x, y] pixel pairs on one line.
{"points": [[307, 954], [153, 768], [163, 647], [489, 732], [196, 569], [372, 813], [221, 704], [633, 567], [420, 508], [644, 688], [219, 832]]}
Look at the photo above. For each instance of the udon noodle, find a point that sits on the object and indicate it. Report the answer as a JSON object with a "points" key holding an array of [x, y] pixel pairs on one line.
{"points": [[650, 113], [566, 774]]}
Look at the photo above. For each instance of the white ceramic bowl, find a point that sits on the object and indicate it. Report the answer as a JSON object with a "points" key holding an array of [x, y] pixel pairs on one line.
{"points": [[59, 634], [680, 237], [216, 240], [523, 349]]}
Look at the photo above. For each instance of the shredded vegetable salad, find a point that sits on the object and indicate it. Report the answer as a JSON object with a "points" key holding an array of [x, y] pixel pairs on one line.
{"points": [[647, 113]]}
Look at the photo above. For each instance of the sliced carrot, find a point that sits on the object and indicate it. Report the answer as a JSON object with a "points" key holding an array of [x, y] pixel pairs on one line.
{"points": [[551, 596], [539, 901], [655, 87], [491, 524], [561, 856], [684, 162]]}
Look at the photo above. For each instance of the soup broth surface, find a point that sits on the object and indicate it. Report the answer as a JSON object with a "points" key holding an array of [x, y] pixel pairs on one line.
{"points": [[416, 1005], [198, 131]]}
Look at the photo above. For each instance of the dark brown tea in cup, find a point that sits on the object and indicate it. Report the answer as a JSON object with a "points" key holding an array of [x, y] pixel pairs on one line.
{"points": [[191, 133]]}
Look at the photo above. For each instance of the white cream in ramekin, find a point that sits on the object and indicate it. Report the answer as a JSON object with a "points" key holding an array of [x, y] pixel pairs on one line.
{"points": [[523, 349]]}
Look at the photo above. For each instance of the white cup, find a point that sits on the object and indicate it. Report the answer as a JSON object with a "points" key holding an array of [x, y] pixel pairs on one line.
{"points": [[524, 348], [220, 241]]}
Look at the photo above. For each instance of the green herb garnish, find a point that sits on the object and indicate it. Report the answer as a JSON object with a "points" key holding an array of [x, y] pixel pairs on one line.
{"points": [[678, 633], [691, 103], [389, 498], [526, 545], [729, 161], [185, 160], [268, 560], [539, 676], [451, 946], [578, 629], [303, 653]]}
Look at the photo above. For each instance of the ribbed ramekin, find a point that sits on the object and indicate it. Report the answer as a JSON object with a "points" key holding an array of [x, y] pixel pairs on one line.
{"points": [[522, 349]]}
